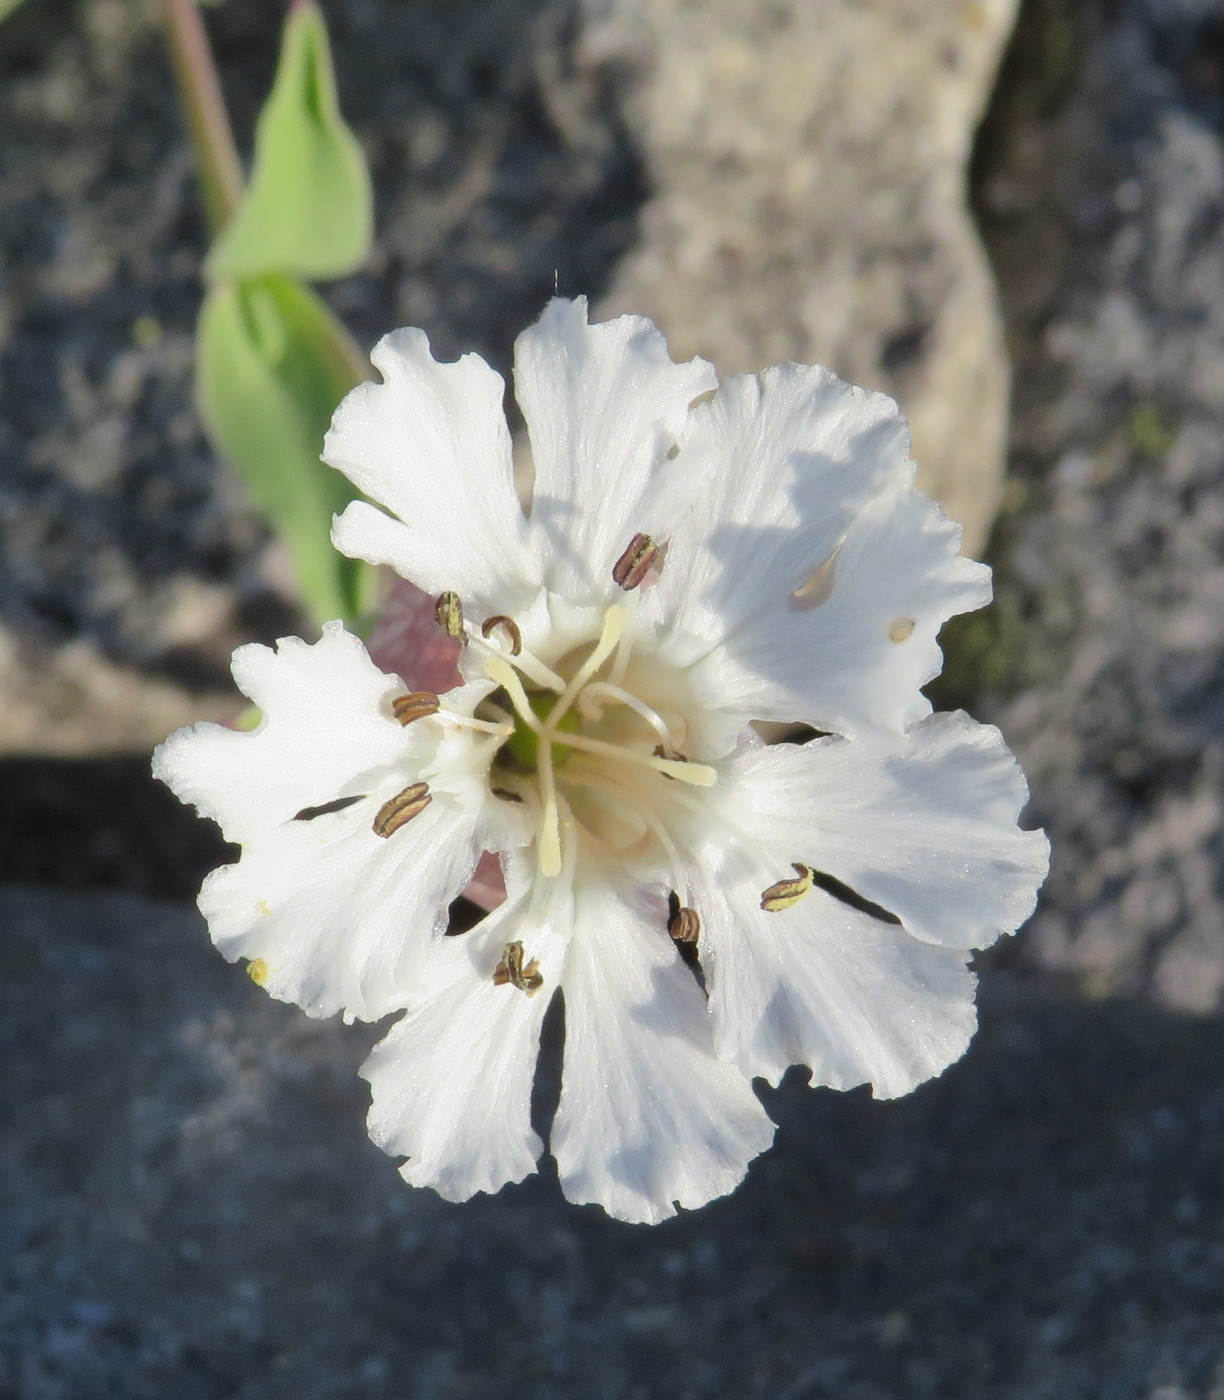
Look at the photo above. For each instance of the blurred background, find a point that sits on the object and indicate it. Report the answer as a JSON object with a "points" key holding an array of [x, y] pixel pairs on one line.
{"points": [[1011, 218]]}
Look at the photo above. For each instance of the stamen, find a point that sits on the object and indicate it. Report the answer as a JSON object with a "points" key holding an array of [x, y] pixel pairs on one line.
{"points": [[504, 674], [601, 691], [620, 662], [507, 721], [787, 893], [695, 774], [506, 625], [636, 562], [685, 924], [418, 705], [512, 970], [484, 753], [599, 782], [401, 809], [531, 666], [448, 613], [422, 704], [609, 636], [484, 726], [550, 822]]}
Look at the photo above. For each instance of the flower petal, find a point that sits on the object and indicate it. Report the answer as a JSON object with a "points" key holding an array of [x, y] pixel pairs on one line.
{"points": [[771, 474], [325, 720], [336, 918], [924, 825], [857, 660], [451, 1083], [805, 552], [603, 404], [648, 1117], [430, 443], [821, 984]]}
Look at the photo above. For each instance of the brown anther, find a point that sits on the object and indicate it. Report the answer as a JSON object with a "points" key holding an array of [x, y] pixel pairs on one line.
{"points": [[787, 893], [506, 625], [636, 562], [506, 795], [525, 976], [672, 756], [448, 614], [684, 925], [418, 705], [401, 809]]}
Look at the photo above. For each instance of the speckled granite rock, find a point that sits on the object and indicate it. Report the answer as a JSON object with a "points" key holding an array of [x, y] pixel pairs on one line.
{"points": [[189, 1208], [498, 169], [505, 166], [808, 166], [1103, 200]]}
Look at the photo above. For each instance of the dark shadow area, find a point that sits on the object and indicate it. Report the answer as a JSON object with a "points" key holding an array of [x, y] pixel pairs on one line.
{"points": [[190, 1207], [102, 823]]}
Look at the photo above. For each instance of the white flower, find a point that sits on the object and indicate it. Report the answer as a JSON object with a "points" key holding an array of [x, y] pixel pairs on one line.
{"points": [[695, 557]]}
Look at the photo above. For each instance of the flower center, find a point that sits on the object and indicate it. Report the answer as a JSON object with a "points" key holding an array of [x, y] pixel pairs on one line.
{"points": [[587, 752], [522, 749]]}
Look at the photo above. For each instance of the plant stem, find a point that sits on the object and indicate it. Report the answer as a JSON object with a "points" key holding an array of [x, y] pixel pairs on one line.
{"points": [[212, 140]]}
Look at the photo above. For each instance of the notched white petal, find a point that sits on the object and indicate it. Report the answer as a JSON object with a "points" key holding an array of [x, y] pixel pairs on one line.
{"points": [[855, 658], [924, 824], [324, 722], [773, 471], [858, 1000], [431, 445], [604, 405], [342, 919], [648, 1119], [451, 1083]]}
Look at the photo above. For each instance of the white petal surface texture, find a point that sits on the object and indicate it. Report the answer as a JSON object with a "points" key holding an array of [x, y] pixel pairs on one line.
{"points": [[324, 722], [824, 985], [924, 825], [704, 909], [339, 919], [648, 1118], [802, 548], [604, 405], [431, 445], [451, 1083], [331, 915]]}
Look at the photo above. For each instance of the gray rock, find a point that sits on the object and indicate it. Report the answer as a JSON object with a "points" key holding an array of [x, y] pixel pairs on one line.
{"points": [[511, 145], [189, 1207], [808, 168], [1103, 198], [129, 562]]}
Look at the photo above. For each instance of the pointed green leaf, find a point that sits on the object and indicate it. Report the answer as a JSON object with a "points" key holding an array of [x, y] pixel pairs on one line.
{"points": [[272, 363], [308, 208]]}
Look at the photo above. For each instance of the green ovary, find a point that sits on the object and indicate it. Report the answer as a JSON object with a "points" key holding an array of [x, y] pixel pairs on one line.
{"points": [[523, 746]]}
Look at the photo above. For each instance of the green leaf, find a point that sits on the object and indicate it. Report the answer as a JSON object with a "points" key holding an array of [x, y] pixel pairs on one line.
{"points": [[7, 7], [272, 363], [308, 208]]}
